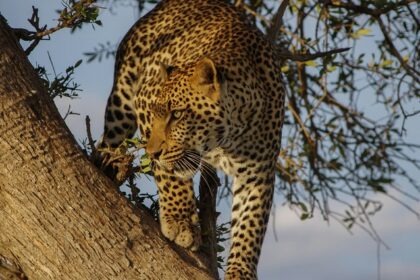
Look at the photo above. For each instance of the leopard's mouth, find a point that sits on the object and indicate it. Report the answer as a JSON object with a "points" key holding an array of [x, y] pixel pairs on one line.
{"points": [[184, 165]]}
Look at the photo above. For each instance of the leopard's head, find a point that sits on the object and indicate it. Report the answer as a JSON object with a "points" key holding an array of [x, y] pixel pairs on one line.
{"points": [[188, 118]]}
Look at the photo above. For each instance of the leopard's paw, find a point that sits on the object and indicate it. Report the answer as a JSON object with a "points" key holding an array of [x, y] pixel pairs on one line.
{"points": [[183, 233]]}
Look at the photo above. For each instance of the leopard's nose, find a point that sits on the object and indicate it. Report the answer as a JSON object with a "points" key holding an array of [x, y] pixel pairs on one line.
{"points": [[154, 149]]}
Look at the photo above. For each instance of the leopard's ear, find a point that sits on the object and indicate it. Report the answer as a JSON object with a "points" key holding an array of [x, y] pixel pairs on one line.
{"points": [[207, 79], [164, 71]]}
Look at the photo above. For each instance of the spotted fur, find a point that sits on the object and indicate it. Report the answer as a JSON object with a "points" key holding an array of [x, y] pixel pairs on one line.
{"points": [[203, 86]]}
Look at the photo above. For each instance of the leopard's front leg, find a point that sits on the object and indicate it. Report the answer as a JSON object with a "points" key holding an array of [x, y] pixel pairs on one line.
{"points": [[178, 213], [252, 199]]}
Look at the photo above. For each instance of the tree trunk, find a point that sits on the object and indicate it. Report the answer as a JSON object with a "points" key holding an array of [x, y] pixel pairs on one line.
{"points": [[60, 218]]}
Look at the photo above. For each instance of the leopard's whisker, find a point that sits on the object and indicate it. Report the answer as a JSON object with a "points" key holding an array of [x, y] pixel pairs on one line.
{"points": [[205, 168]]}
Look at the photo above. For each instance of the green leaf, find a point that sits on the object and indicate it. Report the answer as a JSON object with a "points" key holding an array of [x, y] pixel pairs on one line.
{"points": [[360, 33], [219, 248], [304, 216], [78, 63]]}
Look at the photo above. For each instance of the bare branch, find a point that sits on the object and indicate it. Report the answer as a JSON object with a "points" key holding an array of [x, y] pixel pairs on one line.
{"points": [[68, 19], [253, 13], [393, 50], [309, 56], [277, 21], [239, 3], [209, 183], [413, 16], [27, 35], [90, 138], [365, 10]]}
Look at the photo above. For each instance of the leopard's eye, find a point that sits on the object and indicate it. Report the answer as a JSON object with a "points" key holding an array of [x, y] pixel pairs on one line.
{"points": [[177, 114]]}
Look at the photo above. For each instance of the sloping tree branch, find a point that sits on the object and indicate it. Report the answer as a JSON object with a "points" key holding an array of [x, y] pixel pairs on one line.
{"points": [[364, 9], [277, 21], [73, 15], [301, 57], [60, 218]]}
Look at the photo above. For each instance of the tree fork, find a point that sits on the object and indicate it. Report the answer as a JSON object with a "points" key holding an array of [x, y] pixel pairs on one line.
{"points": [[60, 218]]}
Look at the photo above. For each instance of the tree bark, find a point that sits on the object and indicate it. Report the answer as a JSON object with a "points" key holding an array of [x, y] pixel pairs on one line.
{"points": [[209, 182], [60, 218]]}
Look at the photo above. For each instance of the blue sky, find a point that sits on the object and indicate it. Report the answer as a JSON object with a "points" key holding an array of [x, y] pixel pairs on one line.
{"points": [[310, 250]]}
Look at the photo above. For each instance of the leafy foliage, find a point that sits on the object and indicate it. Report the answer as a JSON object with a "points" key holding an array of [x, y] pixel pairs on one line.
{"points": [[335, 147], [102, 51], [62, 85], [76, 13], [73, 15], [222, 235]]}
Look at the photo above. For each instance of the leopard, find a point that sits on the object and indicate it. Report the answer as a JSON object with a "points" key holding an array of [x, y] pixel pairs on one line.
{"points": [[203, 86]]}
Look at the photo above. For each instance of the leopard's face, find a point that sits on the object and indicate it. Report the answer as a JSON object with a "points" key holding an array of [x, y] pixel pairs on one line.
{"points": [[188, 119]]}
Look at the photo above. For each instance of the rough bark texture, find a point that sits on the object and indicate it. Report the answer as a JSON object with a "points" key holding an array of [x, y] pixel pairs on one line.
{"points": [[59, 217]]}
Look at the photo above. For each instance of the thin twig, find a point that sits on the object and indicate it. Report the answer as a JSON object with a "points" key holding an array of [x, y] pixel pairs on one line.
{"points": [[90, 138], [41, 32], [363, 9], [75, 19], [309, 56], [393, 50]]}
